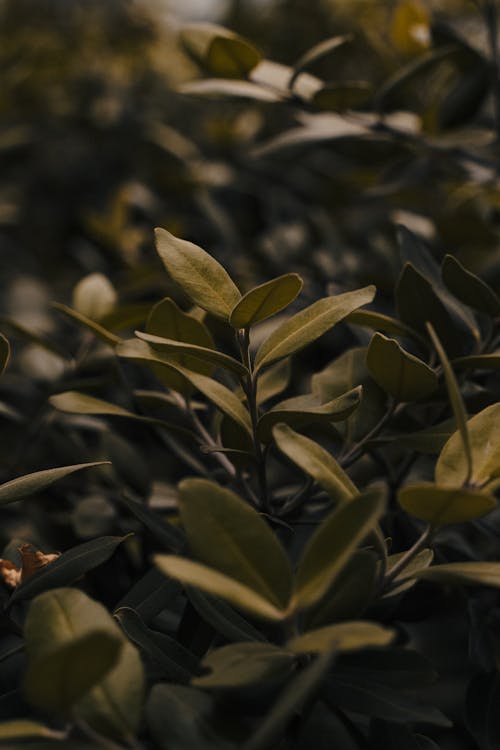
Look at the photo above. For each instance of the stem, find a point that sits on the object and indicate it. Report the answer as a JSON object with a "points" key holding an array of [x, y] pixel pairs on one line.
{"points": [[408, 556], [250, 388], [203, 432], [357, 450]]}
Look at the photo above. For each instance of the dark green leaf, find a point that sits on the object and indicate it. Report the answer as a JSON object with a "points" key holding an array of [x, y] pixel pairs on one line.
{"points": [[403, 376], [220, 51], [353, 635], [439, 505], [88, 324], [243, 664], [223, 618], [469, 288], [29, 484], [193, 353], [265, 300]]}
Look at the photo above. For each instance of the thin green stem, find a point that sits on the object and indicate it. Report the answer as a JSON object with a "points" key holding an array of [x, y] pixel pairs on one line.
{"points": [[408, 556], [220, 456], [357, 450]]}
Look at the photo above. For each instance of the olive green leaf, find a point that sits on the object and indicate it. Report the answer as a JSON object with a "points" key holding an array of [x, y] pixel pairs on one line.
{"points": [[94, 296], [26, 729], [333, 544], [478, 362], [345, 636], [57, 619], [439, 505], [227, 534], [404, 581], [168, 372], [39, 480], [265, 300], [463, 573], [315, 461], [4, 353], [457, 403], [212, 582], [308, 325], [193, 353], [83, 321], [74, 402], [430, 440], [469, 288], [338, 97], [301, 411], [273, 381], [242, 664], [379, 322], [403, 376], [220, 51], [483, 431], [224, 618], [316, 53], [199, 275]]}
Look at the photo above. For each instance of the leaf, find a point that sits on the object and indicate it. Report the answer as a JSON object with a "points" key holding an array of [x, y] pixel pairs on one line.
{"points": [[316, 53], [243, 664], [340, 97], [191, 352], [403, 581], [484, 437], [393, 667], [94, 296], [351, 593], [230, 536], [382, 702], [29, 484], [217, 584], [315, 461], [469, 288], [22, 729], [221, 396], [300, 690], [403, 376], [379, 322], [439, 506], [410, 27], [223, 618], [58, 678], [219, 50], [4, 353], [430, 440], [150, 595], [481, 710], [73, 402], [344, 636], [55, 619], [463, 574], [333, 544], [228, 87], [418, 302], [199, 275], [385, 735], [308, 325], [305, 410], [478, 362], [457, 403], [168, 535], [88, 324], [69, 566], [273, 381], [168, 656], [180, 718], [265, 300]]}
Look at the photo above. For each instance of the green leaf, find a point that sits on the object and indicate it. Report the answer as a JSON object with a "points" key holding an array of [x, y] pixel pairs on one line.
{"points": [[463, 573], [469, 288], [343, 636], [418, 301], [393, 667], [243, 664], [339, 97], [305, 410], [308, 325], [88, 324], [168, 321], [69, 566], [167, 655], [273, 381], [351, 594], [430, 440], [265, 300], [439, 506], [94, 296], [221, 396], [333, 544], [300, 690], [201, 277], [23, 729], [4, 353], [217, 584], [478, 362], [315, 461], [56, 619], [379, 322], [484, 437], [457, 403], [231, 88], [227, 534], [58, 678], [191, 353], [403, 581], [223, 618], [168, 535], [316, 53], [403, 376], [29, 484], [181, 718], [74, 402], [220, 51]]}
